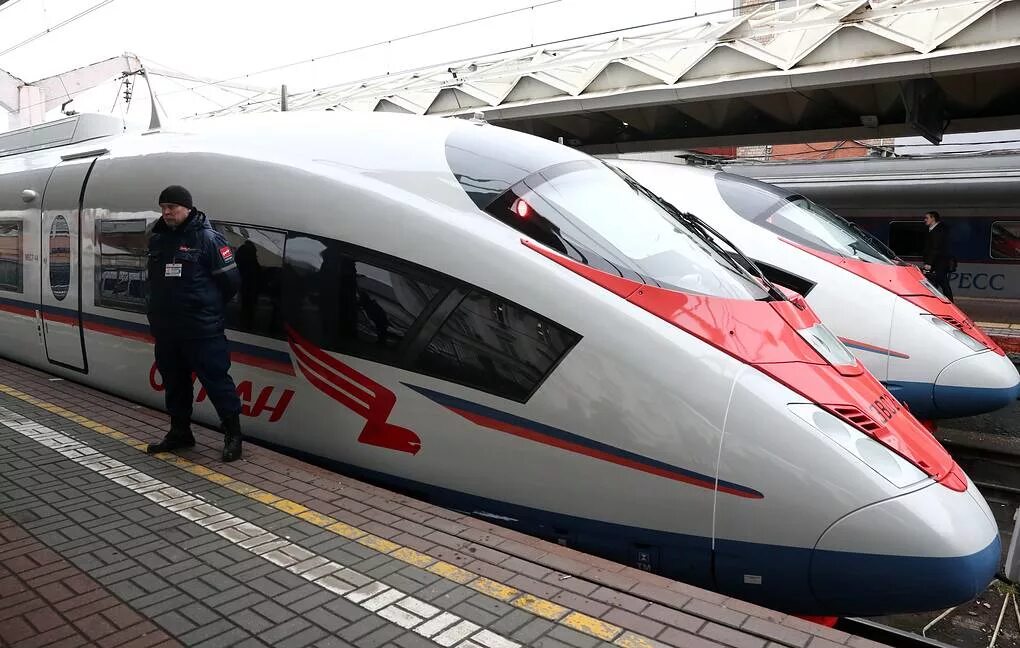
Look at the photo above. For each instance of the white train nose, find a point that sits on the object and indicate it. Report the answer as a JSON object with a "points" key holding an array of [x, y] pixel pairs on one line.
{"points": [[929, 549], [980, 383]]}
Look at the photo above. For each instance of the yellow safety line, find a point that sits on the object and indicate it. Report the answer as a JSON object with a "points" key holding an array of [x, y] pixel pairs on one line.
{"points": [[541, 607]]}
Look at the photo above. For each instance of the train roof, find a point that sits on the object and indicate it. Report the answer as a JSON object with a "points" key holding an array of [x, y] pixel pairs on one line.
{"points": [[62, 132], [889, 169], [942, 182]]}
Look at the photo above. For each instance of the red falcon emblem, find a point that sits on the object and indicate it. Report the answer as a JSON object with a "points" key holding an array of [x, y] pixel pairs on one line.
{"points": [[355, 391]]}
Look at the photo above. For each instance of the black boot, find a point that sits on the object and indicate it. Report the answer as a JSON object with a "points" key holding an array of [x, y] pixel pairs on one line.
{"points": [[179, 436], [231, 438]]}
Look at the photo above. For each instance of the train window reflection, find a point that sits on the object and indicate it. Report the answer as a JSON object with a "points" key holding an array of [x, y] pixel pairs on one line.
{"points": [[807, 220], [123, 257], [797, 218], [1005, 240], [259, 256], [592, 214], [495, 346], [344, 303], [11, 267], [60, 258]]}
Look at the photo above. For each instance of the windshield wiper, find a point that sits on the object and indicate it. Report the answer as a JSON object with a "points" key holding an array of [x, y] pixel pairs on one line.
{"points": [[876, 242], [712, 234], [708, 234]]}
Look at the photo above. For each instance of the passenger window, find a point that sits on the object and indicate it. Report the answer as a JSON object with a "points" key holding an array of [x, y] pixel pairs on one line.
{"points": [[123, 255], [906, 238], [11, 267], [1005, 240], [343, 302], [495, 346], [258, 254], [60, 258]]}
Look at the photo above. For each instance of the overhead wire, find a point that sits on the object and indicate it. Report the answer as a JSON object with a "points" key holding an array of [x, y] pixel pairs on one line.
{"points": [[195, 92], [359, 48], [50, 30], [219, 83], [161, 70], [7, 5], [696, 14]]}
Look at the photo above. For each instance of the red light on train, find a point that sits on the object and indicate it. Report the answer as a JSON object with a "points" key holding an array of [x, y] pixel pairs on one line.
{"points": [[522, 208]]}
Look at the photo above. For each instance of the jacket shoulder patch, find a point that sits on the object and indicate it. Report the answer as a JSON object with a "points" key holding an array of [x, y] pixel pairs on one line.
{"points": [[226, 254]]}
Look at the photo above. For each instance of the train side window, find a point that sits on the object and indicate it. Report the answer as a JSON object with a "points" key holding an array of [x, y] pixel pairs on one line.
{"points": [[259, 256], [1005, 243], [60, 258], [351, 302], [122, 274], [906, 238], [495, 346], [11, 267]]}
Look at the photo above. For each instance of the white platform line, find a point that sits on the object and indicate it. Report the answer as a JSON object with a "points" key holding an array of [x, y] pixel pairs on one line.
{"points": [[375, 596]]}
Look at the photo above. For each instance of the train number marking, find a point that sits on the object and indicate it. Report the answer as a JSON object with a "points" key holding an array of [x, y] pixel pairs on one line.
{"points": [[884, 407]]}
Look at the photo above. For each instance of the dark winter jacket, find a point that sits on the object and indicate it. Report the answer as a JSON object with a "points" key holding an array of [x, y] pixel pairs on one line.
{"points": [[192, 275], [936, 249]]}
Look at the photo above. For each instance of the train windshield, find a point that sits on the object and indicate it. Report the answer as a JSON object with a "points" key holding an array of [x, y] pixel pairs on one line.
{"points": [[598, 217], [799, 219]]}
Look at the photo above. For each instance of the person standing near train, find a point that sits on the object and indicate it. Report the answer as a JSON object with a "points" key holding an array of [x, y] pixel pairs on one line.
{"points": [[938, 260], [192, 276]]}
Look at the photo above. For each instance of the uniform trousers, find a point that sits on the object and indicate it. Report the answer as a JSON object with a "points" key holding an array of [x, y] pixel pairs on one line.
{"points": [[209, 359]]}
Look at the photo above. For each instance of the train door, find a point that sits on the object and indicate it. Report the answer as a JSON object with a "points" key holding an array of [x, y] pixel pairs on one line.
{"points": [[60, 280]]}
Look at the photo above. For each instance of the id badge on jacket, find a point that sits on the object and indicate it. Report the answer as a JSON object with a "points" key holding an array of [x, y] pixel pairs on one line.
{"points": [[173, 270]]}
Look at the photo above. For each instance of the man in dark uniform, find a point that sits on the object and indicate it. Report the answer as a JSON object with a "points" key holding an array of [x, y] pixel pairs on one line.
{"points": [[937, 258], [192, 275]]}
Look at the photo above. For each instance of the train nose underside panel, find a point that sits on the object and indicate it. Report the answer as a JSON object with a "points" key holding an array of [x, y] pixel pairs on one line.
{"points": [[929, 549], [976, 384], [972, 385]]}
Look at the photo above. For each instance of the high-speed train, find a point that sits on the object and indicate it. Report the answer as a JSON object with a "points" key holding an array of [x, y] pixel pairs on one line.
{"points": [[508, 327], [925, 350]]}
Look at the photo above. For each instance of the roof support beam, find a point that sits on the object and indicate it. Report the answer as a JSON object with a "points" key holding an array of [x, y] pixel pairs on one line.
{"points": [[10, 86]]}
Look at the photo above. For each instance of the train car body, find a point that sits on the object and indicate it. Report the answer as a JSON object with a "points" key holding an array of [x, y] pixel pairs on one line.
{"points": [[417, 310], [924, 349]]}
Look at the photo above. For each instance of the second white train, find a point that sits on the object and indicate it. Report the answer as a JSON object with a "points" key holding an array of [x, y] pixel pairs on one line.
{"points": [[925, 350]]}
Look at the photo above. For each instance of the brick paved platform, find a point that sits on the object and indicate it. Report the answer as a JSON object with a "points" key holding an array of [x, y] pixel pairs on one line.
{"points": [[101, 544], [1000, 319]]}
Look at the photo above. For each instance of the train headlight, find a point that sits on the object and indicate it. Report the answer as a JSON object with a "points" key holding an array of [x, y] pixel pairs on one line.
{"points": [[827, 345], [946, 327], [894, 468]]}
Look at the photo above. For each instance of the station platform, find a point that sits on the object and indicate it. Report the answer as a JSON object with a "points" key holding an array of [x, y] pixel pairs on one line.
{"points": [[999, 318], [105, 545]]}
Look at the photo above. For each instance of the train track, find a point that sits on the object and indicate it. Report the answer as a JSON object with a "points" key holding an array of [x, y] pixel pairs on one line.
{"points": [[997, 476], [993, 472], [887, 635]]}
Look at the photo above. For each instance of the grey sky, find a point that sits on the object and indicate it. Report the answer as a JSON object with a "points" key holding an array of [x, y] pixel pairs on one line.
{"points": [[227, 38]]}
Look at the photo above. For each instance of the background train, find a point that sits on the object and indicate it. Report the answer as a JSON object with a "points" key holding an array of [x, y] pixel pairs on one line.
{"points": [[923, 348], [975, 193], [505, 326]]}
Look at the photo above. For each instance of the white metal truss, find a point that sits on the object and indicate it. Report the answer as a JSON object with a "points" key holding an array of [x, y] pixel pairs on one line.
{"points": [[826, 36], [30, 101]]}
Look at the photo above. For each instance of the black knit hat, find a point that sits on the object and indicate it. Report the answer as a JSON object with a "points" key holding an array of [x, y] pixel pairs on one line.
{"points": [[177, 195]]}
